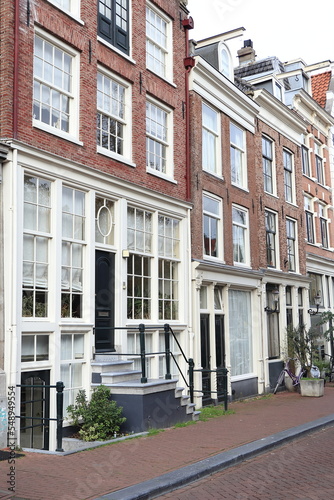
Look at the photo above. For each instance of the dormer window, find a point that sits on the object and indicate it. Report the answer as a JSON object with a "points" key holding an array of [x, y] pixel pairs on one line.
{"points": [[225, 61]]}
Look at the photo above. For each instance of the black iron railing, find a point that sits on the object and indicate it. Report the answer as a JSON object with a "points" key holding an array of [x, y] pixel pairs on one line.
{"points": [[221, 373]]}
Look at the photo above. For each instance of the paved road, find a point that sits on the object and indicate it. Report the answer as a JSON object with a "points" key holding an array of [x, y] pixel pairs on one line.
{"points": [[303, 470]]}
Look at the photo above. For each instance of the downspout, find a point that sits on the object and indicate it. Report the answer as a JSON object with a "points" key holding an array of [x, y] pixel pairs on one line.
{"points": [[189, 63], [16, 67]]}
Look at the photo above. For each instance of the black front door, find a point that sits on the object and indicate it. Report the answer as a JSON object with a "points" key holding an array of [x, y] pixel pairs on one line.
{"points": [[35, 407], [104, 301], [205, 360], [220, 354]]}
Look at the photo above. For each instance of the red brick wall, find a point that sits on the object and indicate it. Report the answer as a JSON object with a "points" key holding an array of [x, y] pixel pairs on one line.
{"points": [[78, 35]]}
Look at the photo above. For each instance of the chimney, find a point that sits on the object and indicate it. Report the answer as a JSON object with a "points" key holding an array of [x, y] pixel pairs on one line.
{"points": [[247, 53]]}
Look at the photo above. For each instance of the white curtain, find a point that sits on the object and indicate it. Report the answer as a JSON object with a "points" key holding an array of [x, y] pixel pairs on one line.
{"points": [[240, 327]]}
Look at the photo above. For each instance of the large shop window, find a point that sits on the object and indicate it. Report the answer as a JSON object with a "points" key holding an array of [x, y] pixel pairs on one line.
{"points": [[73, 224], [168, 243], [240, 328], [36, 237]]}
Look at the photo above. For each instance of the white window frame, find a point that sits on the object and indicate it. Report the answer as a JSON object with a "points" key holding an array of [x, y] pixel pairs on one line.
{"points": [[73, 94], [215, 135], [323, 220], [37, 209], [275, 238], [70, 267], [70, 7], [289, 175], [244, 228], [218, 217], [168, 262], [319, 164], [305, 154], [125, 121], [309, 219], [241, 174], [225, 61], [76, 359], [164, 69], [271, 161], [155, 136], [295, 245]]}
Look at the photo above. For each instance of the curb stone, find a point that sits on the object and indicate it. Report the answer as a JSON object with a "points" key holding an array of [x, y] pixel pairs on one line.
{"points": [[185, 475]]}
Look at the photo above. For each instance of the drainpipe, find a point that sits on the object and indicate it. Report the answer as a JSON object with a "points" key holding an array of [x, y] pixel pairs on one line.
{"points": [[189, 63], [16, 67]]}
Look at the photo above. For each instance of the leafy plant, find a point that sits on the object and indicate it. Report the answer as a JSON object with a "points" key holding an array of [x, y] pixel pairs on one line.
{"points": [[100, 418], [302, 345]]}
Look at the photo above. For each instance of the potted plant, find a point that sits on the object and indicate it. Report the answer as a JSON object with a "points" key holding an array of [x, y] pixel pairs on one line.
{"points": [[302, 344]]}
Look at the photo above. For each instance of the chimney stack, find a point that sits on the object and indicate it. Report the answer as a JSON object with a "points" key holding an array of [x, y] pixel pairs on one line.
{"points": [[247, 53]]}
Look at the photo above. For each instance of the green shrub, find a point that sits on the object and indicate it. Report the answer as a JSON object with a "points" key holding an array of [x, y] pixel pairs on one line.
{"points": [[100, 418]]}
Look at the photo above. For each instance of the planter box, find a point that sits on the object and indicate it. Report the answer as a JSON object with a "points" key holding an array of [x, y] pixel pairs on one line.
{"points": [[312, 387]]}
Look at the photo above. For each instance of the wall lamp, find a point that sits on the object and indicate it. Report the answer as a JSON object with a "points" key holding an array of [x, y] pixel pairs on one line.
{"points": [[275, 299], [317, 302]]}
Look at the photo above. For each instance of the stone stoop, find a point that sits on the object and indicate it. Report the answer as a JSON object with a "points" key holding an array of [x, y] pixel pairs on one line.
{"points": [[154, 404]]}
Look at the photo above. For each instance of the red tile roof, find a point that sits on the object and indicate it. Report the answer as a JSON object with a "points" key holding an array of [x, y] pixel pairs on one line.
{"points": [[320, 85]]}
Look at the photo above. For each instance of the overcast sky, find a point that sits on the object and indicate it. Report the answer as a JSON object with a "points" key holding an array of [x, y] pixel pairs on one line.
{"points": [[288, 29]]}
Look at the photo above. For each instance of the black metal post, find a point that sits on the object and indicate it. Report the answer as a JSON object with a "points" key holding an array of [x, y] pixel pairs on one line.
{"points": [[191, 379], [225, 371], [60, 399], [142, 353], [168, 375]]}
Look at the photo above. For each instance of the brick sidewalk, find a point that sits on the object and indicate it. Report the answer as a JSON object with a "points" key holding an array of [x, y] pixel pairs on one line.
{"points": [[93, 473]]}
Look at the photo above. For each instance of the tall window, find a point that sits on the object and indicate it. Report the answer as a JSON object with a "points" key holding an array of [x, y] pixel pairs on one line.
{"points": [[240, 235], [319, 164], [211, 226], [157, 139], [54, 98], [112, 115], [288, 176], [158, 38], [300, 307], [238, 163], [113, 23], [72, 358], [240, 327], [36, 237], [323, 225], [271, 235], [291, 244], [210, 140], [316, 288], [139, 233], [73, 230], [273, 330], [168, 251], [306, 161], [309, 217], [288, 303], [267, 163]]}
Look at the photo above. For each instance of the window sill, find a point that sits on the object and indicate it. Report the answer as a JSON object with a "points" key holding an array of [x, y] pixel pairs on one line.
{"points": [[165, 177], [68, 13], [162, 77], [114, 49], [240, 187], [56, 132], [217, 176], [115, 156]]}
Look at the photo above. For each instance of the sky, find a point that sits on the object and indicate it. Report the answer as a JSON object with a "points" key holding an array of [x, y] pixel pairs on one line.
{"points": [[288, 29]]}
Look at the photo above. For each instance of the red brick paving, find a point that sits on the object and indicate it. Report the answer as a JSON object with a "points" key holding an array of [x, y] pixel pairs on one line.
{"points": [[302, 470], [93, 473]]}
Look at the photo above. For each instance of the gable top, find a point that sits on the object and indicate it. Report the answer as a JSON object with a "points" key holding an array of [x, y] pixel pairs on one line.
{"points": [[320, 85]]}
